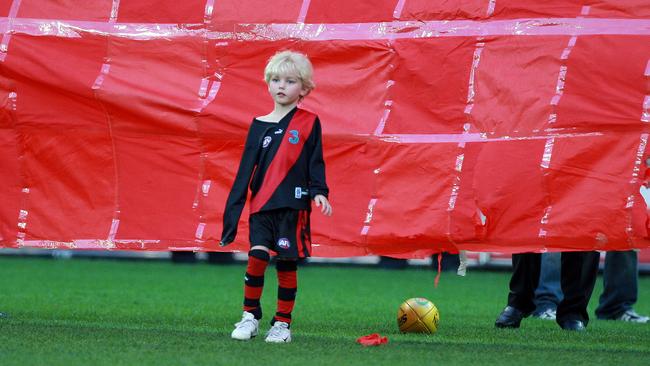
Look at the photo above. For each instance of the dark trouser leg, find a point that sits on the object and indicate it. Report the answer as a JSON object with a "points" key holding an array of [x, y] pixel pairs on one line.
{"points": [[524, 281], [620, 285], [578, 277], [548, 293]]}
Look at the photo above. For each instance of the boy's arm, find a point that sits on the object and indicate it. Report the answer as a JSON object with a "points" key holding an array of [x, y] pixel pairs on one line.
{"points": [[317, 182], [239, 192]]}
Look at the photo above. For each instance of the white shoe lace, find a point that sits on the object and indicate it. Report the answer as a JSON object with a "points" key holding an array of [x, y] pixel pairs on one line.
{"points": [[279, 330], [248, 324], [247, 318]]}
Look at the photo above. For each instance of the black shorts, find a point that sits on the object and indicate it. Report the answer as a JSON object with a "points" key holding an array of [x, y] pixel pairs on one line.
{"points": [[285, 231]]}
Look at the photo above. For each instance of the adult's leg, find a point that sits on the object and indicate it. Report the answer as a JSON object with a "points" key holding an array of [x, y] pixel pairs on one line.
{"points": [[620, 284], [524, 281], [548, 293], [578, 276]]}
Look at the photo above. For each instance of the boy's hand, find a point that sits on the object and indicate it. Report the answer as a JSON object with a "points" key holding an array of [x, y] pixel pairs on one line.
{"points": [[322, 202]]}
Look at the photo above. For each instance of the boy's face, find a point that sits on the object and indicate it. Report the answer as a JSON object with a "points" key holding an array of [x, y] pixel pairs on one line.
{"points": [[286, 89]]}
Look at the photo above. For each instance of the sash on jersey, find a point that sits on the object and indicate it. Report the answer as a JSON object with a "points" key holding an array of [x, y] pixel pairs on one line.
{"points": [[293, 141]]}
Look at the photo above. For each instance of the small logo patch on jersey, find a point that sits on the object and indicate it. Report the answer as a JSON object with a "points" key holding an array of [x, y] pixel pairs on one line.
{"points": [[279, 131], [284, 243], [294, 138], [267, 141]]}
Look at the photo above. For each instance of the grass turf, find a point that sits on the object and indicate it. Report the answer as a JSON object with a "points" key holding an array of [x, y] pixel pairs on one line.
{"points": [[68, 312]]}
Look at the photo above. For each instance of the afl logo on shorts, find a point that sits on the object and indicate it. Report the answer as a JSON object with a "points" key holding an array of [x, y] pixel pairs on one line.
{"points": [[267, 141], [284, 243]]}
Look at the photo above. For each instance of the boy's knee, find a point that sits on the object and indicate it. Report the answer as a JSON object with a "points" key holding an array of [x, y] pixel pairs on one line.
{"points": [[260, 254]]}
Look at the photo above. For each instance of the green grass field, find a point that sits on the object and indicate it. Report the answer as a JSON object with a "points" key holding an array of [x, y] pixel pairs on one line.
{"points": [[103, 312]]}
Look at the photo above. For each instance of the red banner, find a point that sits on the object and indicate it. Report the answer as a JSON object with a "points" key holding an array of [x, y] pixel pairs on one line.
{"points": [[486, 125]]}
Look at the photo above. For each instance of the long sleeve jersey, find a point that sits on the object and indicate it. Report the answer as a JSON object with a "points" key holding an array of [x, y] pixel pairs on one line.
{"points": [[283, 166]]}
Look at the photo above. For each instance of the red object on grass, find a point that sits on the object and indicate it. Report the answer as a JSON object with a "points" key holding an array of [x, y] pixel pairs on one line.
{"points": [[373, 339]]}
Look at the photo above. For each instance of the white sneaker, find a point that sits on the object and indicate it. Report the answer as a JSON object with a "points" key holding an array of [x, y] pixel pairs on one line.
{"points": [[246, 328], [548, 314], [279, 333], [632, 317]]}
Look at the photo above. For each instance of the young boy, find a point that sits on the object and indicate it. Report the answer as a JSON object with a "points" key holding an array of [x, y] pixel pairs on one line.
{"points": [[283, 165]]}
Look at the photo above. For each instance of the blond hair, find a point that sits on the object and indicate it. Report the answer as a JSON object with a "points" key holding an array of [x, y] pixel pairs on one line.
{"points": [[290, 62]]}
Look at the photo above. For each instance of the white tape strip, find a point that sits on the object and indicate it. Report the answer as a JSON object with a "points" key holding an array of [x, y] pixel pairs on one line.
{"points": [[214, 89], [476, 59], [371, 207], [471, 93], [435, 138], [199, 230], [491, 6], [634, 182], [346, 32], [552, 118], [397, 13], [114, 10], [645, 114], [559, 88], [13, 99], [455, 188], [85, 243], [303, 11], [208, 90], [6, 36], [22, 218], [115, 225], [639, 158], [206, 187], [548, 153], [378, 132], [102, 74], [382, 121], [203, 88], [209, 8]]}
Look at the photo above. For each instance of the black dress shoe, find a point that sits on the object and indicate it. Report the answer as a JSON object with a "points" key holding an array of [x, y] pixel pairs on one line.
{"points": [[576, 325], [510, 317]]}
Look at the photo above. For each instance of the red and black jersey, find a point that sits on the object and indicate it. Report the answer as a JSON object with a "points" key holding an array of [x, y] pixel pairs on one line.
{"points": [[283, 166]]}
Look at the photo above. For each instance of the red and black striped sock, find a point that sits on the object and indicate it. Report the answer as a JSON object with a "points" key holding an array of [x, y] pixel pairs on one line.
{"points": [[254, 281], [287, 288]]}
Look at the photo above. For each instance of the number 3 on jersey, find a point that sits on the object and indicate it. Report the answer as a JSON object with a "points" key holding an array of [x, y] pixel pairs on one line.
{"points": [[294, 139]]}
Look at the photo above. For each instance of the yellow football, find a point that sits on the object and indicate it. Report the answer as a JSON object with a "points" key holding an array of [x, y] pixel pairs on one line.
{"points": [[418, 315]]}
